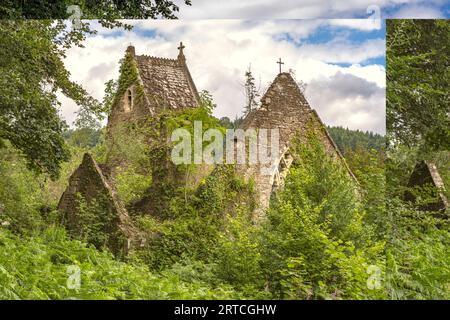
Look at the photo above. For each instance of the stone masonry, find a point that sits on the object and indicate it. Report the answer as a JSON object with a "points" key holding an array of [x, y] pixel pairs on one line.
{"points": [[88, 184], [285, 108], [166, 84]]}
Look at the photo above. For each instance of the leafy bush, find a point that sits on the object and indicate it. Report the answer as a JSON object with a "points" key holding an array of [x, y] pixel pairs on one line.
{"points": [[131, 184], [36, 267], [418, 258], [313, 246], [20, 193]]}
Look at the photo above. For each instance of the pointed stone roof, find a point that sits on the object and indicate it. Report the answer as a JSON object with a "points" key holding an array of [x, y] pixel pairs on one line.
{"points": [[89, 183], [282, 100], [167, 82], [284, 107]]}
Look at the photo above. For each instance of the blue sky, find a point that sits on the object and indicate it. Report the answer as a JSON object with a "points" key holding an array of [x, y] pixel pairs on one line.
{"points": [[341, 61]]}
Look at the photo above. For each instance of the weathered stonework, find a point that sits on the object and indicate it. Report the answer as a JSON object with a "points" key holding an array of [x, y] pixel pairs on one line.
{"points": [[161, 84], [285, 108], [157, 85], [88, 184], [426, 173]]}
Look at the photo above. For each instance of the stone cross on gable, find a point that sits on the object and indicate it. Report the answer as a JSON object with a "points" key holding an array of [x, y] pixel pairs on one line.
{"points": [[280, 63], [181, 56], [181, 47]]}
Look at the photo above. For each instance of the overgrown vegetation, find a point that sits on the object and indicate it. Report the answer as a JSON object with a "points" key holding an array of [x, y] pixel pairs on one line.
{"points": [[324, 236], [318, 242], [417, 255]]}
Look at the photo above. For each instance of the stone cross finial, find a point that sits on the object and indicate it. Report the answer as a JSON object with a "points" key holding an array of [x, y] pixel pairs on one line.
{"points": [[131, 50], [280, 63], [181, 47], [181, 56]]}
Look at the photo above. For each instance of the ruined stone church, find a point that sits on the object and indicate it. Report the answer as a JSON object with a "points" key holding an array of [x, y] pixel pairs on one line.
{"points": [[166, 84]]}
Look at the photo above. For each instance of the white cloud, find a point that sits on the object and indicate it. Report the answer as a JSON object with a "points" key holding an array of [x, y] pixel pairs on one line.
{"points": [[344, 52], [219, 51], [360, 98], [299, 9], [419, 12], [359, 24]]}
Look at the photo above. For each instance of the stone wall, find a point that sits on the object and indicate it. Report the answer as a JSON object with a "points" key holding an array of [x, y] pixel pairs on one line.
{"points": [[285, 108], [88, 185]]}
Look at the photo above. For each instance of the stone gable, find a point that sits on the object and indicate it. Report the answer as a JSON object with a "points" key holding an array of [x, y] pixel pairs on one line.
{"points": [[284, 107], [166, 83], [88, 184]]}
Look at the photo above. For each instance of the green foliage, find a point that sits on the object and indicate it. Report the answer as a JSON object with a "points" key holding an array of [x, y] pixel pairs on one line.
{"points": [[336, 192], [251, 93], [20, 193], [185, 119], [95, 222], [107, 10], [194, 219], [128, 75], [36, 267], [168, 240], [369, 168], [206, 102], [417, 254], [131, 185], [417, 100], [304, 260], [132, 162], [417, 249], [133, 176], [84, 137], [32, 72], [349, 140], [238, 257], [313, 241]]}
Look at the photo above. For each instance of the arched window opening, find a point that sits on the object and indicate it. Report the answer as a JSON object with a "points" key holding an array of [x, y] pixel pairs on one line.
{"points": [[128, 103], [130, 99], [282, 170]]}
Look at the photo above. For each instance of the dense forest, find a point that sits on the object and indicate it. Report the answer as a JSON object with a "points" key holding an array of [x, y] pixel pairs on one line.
{"points": [[347, 139], [321, 239]]}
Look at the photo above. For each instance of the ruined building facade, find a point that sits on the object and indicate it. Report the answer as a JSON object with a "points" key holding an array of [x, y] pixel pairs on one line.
{"points": [[424, 174], [160, 84], [285, 108]]}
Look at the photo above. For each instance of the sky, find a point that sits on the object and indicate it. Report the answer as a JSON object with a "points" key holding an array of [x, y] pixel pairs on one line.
{"points": [[341, 61], [312, 9]]}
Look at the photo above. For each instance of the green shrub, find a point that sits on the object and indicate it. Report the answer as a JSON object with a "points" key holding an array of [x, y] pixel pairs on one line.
{"points": [[36, 267], [131, 185], [312, 244], [21, 196]]}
